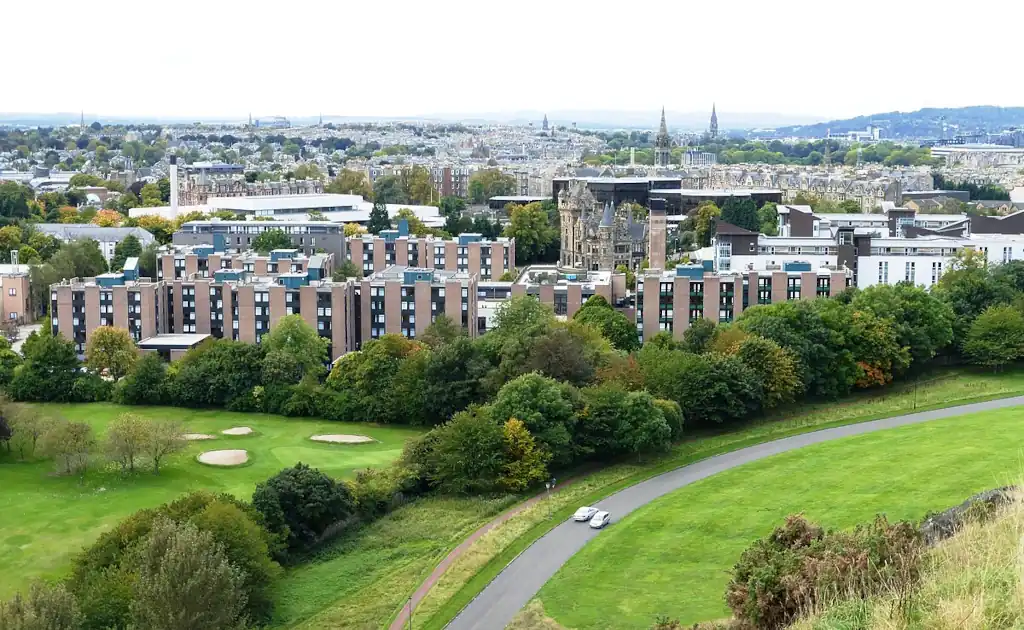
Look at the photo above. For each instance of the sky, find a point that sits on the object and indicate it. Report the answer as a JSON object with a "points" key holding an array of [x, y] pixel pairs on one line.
{"points": [[225, 59]]}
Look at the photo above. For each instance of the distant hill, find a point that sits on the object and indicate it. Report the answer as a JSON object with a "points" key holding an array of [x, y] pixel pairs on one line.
{"points": [[923, 123]]}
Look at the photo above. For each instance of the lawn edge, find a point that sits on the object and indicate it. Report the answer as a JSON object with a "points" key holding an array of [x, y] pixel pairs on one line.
{"points": [[488, 572]]}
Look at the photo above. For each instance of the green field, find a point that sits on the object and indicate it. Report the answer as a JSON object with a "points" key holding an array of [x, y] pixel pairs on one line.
{"points": [[671, 557], [46, 518]]}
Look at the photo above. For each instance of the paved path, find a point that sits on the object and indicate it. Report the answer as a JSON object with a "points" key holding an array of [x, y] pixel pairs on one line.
{"points": [[516, 585]]}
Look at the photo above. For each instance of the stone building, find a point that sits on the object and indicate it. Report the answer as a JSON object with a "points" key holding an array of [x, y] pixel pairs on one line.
{"points": [[598, 237]]}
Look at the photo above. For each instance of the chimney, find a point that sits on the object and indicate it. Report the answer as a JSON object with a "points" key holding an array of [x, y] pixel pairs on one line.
{"points": [[174, 186], [656, 232]]}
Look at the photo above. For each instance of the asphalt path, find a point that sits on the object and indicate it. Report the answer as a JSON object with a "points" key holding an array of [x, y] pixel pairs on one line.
{"points": [[518, 582]]}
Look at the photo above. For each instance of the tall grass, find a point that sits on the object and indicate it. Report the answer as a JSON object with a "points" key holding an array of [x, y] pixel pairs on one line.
{"points": [[973, 581]]}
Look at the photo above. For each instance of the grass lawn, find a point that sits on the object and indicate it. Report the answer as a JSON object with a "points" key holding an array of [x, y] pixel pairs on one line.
{"points": [[45, 518], [671, 557], [471, 573]]}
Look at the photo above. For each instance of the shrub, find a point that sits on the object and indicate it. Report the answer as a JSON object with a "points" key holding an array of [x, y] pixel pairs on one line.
{"points": [[91, 388], [299, 504], [144, 383], [45, 608], [800, 565]]}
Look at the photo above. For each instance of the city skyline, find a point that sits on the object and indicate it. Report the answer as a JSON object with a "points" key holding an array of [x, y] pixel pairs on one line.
{"points": [[223, 60]]}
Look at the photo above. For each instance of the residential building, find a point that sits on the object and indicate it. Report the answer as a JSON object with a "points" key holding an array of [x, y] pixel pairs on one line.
{"points": [[404, 300], [669, 301], [309, 237], [487, 259]]}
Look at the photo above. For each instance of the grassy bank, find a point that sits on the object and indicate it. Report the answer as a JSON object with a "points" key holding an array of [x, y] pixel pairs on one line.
{"points": [[970, 582], [47, 518], [672, 556], [488, 556]]}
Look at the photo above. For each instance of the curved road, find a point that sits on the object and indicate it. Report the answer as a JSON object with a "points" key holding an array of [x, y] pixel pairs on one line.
{"points": [[518, 582]]}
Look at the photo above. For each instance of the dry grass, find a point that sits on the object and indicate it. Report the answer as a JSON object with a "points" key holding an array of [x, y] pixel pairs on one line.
{"points": [[532, 617], [974, 581]]}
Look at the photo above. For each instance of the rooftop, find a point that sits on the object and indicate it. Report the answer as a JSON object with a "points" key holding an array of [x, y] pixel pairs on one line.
{"points": [[173, 342]]}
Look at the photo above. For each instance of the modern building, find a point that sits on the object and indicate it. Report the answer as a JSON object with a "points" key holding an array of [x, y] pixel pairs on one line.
{"points": [[309, 237], [106, 237], [669, 301], [14, 293], [405, 300], [178, 262], [487, 259], [232, 304]]}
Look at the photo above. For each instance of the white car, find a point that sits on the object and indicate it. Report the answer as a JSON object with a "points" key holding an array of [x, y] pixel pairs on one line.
{"points": [[584, 514], [600, 520]]}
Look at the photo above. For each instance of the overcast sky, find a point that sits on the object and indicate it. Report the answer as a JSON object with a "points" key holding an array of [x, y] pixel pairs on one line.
{"points": [[226, 58]]}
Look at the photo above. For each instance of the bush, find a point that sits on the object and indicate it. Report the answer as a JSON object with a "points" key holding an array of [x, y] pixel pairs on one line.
{"points": [[45, 608], [299, 504], [144, 383], [91, 388], [800, 565]]}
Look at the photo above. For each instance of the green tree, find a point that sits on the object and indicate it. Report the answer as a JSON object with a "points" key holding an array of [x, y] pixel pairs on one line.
{"points": [[768, 219], [525, 463], [14, 200], [269, 240], [110, 349], [969, 288], [217, 373], [389, 189], [612, 324], [126, 439], [441, 331], [452, 378], [379, 218], [704, 223], [301, 503], [774, 366], [185, 581], [49, 371], [452, 205], [28, 426], [292, 336], [741, 213], [996, 337], [923, 323], [47, 607], [144, 382], [488, 183], [468, 454], [70, 443], [128, 247], [698, 336], [347, 269], [418, 185], [350, 182], [546, 408], [530, 227]]}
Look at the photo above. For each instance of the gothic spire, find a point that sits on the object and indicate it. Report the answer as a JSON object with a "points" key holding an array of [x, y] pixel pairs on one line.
{"points": [[713, 127], [663, 130]]}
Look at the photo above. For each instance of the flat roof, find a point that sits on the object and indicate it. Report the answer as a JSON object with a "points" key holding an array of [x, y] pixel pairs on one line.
{"points": [[173, 342], [283, 202], [716, 192]]}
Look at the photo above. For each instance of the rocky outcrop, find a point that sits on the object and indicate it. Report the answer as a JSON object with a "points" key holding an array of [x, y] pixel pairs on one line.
{"points": [[980, 507]]}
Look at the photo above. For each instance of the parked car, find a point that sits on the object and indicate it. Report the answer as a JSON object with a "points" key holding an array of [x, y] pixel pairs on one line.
{"points": [[584, 514], [600, 520]]}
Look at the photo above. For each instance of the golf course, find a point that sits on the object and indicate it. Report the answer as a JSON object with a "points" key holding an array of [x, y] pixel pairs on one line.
{"points": [[47, 517], [672, 556]]}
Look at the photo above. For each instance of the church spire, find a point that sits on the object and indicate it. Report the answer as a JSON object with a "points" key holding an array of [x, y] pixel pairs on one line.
{"points": [[713, 128], [662, 143], [663, 130]]}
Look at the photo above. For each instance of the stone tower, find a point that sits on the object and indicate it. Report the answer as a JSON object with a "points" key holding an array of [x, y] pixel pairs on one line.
{"points": [[662, 144], [713, 128], [544, 125]]}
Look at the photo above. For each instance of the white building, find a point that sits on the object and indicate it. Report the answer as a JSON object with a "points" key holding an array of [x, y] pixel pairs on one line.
{"points": [[106, 237]]}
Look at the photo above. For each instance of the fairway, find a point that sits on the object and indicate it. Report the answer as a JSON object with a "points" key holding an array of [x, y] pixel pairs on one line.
{"points": [[671, 557], [45, 519]]}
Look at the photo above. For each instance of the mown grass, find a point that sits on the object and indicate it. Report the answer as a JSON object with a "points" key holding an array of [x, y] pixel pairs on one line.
{"points": [[972, 581], [47, 518], [672, 556], [471, 573]]}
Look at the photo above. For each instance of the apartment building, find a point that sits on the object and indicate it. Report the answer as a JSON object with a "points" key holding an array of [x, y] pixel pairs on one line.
{"points": [[228, 303], [179, 262], [404, 300], [470, 253], [669, 301]]}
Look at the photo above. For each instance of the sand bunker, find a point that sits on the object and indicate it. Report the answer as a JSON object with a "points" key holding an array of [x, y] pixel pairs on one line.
{"points": [[198, 436], [338, 438], [237, 431], [232, 457]]}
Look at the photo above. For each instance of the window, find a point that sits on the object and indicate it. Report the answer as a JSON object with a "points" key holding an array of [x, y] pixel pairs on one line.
{"points": [[883, 273], [12, 291], [909, 272]]}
